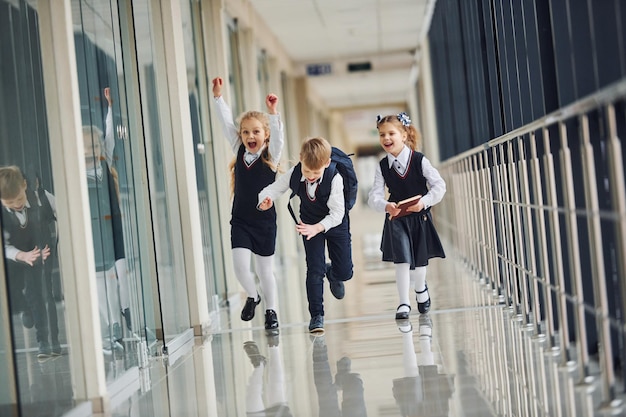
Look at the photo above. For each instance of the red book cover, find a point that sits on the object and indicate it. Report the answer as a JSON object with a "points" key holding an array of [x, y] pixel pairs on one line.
{"points": [[405, 204]]}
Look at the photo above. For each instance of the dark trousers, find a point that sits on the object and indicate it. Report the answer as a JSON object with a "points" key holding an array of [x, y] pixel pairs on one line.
{"points": [[40, 301], [353, 403], [339, 243]]}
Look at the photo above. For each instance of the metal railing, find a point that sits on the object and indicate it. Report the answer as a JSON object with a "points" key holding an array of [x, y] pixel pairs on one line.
{"points": [[539, 217]]}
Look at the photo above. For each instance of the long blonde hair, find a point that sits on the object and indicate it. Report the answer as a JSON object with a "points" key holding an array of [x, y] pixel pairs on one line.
{"points": [[266, 157]]}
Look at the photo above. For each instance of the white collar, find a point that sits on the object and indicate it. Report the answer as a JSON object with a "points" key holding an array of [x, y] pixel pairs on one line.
{"points": [[403, 157], [257, 154]]}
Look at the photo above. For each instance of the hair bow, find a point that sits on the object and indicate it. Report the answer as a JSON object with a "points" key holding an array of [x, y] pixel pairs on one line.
{"points": [[378, 119], [404, 119]]}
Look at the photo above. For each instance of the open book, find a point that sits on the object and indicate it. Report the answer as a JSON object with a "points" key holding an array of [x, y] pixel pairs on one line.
{"points": [[405, 204]]}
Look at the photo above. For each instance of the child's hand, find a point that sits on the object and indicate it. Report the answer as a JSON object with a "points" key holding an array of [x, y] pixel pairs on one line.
{"points": [[392, 209], [309, 230], [45, 253], [266, 204], [271, 101], [107, 95], [417, 207], [31, 257], [217, 86]]}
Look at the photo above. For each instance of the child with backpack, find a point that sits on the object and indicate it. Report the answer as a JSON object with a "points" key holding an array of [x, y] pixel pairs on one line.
{"points": [[324, 220], [409, 237]]}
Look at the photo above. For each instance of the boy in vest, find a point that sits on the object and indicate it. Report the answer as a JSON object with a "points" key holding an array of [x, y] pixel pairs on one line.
{"points": [[28, 224], [324, 222]]}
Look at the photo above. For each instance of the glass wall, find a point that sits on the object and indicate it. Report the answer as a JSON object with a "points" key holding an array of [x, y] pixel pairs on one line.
{"points": [[108, 166], [159, 149], [33, 338], [205, 174]]}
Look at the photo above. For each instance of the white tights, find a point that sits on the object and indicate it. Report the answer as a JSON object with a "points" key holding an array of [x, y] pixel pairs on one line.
{"points": [[264, 268], [404, 278]]}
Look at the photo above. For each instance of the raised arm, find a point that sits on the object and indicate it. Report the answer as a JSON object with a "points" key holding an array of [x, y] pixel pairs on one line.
{"points": [[277, 136], [225, 115], [109, 136]]}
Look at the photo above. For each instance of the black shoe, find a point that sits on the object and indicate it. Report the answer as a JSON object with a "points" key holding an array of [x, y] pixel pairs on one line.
{"points": [[126, 314], [425, 306], [272, 339], [27, 319], [117, 332], [252, 350], [405, 326], [247, 313], [403, 315], [44, 350], [336, 287], [316, 325], [56, 349], [343, 369], [320, 353], [271, 320]]}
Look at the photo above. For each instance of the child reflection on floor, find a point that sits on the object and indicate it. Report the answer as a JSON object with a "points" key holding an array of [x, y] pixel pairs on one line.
{"points": [[346, 381], [423, 391], [266, 380]]}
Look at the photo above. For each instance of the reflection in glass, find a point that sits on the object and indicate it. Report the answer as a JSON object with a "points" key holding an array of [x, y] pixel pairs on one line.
{"points": [[423, 391], [267, 380], [205, 175], [111, 192], [28, 224], [351, 383], [159, 148]]}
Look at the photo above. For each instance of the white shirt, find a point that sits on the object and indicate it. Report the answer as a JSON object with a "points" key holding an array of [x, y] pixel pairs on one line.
{"points": [[109, 139], [336, 204], [10, 251], [232, 134], [436, 185]]}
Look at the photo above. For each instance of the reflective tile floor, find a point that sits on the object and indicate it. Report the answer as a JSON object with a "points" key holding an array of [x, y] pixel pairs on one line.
{"points": [[465, 358]]}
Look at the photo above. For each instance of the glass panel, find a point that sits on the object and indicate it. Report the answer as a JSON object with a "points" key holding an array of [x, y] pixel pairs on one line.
{"points": [[263, 76], [234, 67], [205, 176], [33, 277], [112, 197], [161, 170], [8, 390]]}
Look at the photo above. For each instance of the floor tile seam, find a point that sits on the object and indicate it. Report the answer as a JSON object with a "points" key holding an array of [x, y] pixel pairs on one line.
{"points": [[356, 319]]}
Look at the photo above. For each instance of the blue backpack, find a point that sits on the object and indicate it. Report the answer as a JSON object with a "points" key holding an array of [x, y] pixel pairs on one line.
{"points": [[342, 162]]}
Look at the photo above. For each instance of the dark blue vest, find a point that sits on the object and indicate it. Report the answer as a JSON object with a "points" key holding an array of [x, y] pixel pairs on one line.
{"points": [[106, 220], [313, 210], [412, 183], [39, 226], [249, 181]]}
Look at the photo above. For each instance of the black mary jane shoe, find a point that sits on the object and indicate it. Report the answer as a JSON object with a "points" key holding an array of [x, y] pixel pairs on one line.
{"points": [[403, 315], [247, 313], [424, 307]]}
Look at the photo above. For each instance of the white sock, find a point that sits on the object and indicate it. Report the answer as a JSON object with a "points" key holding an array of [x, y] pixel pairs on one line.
{"points": [[403, 284], [241, 260], [418, 276], [264, 266]]}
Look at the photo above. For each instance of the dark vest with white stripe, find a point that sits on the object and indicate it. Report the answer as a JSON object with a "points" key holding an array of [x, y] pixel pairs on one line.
{"points": [[313, 210], [106, 222], [249, 181], [410, 184], [39, 226]]}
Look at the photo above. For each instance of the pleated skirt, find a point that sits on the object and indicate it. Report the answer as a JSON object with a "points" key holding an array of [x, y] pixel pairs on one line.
{"points": [[411, 239]]}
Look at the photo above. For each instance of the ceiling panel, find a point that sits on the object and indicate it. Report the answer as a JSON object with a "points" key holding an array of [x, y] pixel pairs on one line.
{"points": [[384, 32]]}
